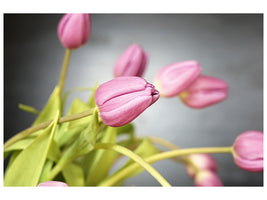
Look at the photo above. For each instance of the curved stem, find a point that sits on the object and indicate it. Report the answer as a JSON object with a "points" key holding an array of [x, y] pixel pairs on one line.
{"points": [[43, 125], [64, 70], [161, 156], [139, 161]]}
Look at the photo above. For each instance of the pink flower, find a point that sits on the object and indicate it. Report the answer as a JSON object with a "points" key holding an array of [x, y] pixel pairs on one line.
{"points": [[201, 162], [248, 151], [122, 99], [132, 62], [173, 79], [207, 178], [205, 91], [52, 184], [74, 30]]}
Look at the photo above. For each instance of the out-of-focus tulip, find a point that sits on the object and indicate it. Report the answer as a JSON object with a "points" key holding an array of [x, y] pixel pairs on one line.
{"points": [[248, 151], [204, 91], [132, 62], [52, 184], [74, 30], [122, 99], [201, 162], [207, 178], [174, 78]]}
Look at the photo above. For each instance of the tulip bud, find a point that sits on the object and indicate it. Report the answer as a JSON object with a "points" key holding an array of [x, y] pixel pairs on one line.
{"points": [[132, 62], [74, 30], [207, 178], [248, 151], [173, 79], [52, 184], [201, 162], [204, 91], [122, 99]]}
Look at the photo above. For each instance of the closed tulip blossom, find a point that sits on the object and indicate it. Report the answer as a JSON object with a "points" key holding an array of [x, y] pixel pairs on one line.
{"points": [[132, 62], [52, 184], [174, 78], [248, 151], [74, 30], [200, 162], [205, 91], [122, 99], [207, 178]]}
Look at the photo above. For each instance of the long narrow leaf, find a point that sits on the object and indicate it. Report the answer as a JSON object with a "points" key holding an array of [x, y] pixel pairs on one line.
{"points": [[26, 169]]}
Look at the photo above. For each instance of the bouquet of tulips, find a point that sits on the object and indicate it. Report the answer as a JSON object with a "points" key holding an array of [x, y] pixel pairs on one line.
{"points": [[80, 148]]}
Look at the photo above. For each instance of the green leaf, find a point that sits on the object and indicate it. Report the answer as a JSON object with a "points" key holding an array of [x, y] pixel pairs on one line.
{"points": [[50, 109], [68, 130], [92, 161], [54, 152], [28, 109], [26, 169], [144, 150], [83, 144], [46, 169], [12, 157], [20, 144], [73, 175]]}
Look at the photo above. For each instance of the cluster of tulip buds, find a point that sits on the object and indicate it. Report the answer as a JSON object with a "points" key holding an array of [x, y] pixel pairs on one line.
{"points": [[122, 99], [203, 169]]}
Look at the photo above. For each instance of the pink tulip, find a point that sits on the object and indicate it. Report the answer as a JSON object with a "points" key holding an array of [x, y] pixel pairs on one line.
{"points": [[52, 184], [205, 91], [122, 99], [132, 62], [201, 162], [173, 79], [248, 151], [74, 30], [207, 178]]}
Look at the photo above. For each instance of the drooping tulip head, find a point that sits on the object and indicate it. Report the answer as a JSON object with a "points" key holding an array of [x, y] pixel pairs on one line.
{"points": [[52, 184], [207, 178], [201, 162], [132, 62], [174, 78], [122, 99], [205, 91], [74, 30], [248, 151]]}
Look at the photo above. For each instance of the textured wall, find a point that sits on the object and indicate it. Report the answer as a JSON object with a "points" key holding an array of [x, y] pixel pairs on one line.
{"points": [[229, 47]]}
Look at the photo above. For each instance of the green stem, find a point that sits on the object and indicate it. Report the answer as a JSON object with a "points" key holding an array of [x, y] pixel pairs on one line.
{"points": [[139, 161], [64, 70], [161, 156], [43, 125]]}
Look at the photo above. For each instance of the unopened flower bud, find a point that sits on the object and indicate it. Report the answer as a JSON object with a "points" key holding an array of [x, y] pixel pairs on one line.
{"points": [[174, 78], [74, 30], [207, 178], [204, 91], [201, 162], [132, 62], [248, 151], [52, 184], [122, 99]]}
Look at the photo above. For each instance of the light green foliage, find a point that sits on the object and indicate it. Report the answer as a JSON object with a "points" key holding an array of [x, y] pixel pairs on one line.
{"points": [[26, 169], [50, 109], [73, 174], [97, 163]]}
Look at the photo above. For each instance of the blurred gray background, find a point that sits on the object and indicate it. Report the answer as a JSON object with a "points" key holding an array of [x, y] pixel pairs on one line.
{"points": [[228, 46]]}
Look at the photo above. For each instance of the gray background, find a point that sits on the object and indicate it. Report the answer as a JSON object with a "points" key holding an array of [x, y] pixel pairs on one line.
{"points": [[228, 46]]}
